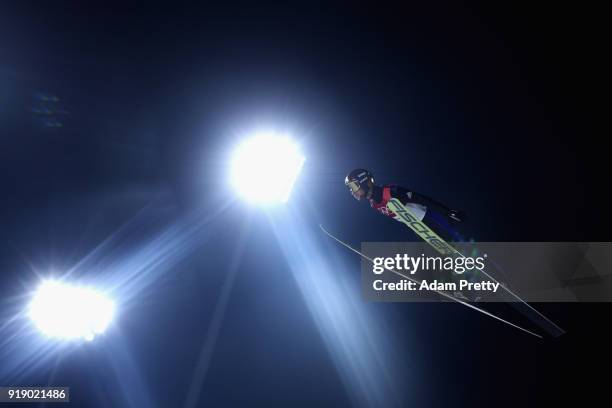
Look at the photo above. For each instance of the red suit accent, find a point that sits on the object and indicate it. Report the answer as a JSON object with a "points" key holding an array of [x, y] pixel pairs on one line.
{"points": [[382, 205]]}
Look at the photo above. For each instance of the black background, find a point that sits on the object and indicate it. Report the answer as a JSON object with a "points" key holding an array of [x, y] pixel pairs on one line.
{"points": [[491, 108]]}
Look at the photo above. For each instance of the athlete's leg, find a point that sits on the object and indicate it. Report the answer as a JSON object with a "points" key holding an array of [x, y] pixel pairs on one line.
{"points": [[442, 226]]}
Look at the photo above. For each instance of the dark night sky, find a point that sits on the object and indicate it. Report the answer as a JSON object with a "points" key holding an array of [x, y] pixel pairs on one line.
{"points": [[493, 110]]}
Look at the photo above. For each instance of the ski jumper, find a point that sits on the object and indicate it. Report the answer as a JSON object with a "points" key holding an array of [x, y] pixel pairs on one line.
{"points": [[423, 208]]}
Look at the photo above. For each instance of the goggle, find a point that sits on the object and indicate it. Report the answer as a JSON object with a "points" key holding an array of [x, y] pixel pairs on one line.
{"points": [[353, 186]]}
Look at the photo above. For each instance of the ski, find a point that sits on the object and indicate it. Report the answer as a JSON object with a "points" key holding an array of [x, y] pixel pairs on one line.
{"points": [[442, 293], [405, 216]]}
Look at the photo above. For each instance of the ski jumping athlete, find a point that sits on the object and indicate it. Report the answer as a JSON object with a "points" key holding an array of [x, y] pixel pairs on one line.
{"points": [[361, 185], [434, 215]]}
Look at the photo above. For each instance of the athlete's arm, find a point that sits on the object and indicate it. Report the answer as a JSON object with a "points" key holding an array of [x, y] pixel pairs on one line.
{"points": [[408, 196]]}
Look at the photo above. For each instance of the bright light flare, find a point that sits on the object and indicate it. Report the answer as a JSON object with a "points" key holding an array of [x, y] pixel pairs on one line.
{"points": [[265, 167], [68, 312]]}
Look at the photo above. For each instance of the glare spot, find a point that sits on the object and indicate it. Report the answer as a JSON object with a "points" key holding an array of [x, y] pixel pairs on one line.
{"points": [[63, 311], [265, 167]]}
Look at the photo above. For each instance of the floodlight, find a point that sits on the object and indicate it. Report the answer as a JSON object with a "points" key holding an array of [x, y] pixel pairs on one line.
{"points": [[265, 167], [63, 311]]}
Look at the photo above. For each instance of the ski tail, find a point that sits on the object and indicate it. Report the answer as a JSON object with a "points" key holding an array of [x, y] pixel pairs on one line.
{"points": [[405, 216], [442, 293]]}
